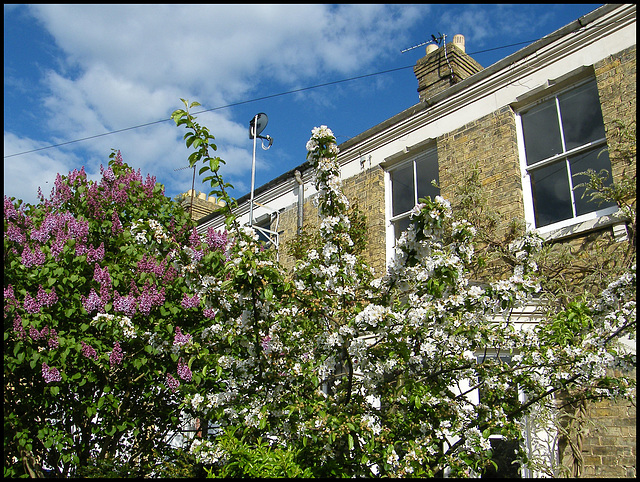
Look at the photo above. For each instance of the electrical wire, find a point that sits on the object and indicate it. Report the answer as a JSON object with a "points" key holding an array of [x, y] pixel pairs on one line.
{"points": [[213, 109]]}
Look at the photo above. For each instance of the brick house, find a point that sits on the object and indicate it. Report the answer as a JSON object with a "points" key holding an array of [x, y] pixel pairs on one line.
{"points": [[528, 122]]}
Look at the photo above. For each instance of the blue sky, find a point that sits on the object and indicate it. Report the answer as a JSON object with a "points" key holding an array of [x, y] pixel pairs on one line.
{"points": [[74, 71]]}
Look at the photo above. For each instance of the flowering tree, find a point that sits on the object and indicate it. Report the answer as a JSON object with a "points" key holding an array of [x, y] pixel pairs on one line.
{"points": [[358, 376], [99, 300]]}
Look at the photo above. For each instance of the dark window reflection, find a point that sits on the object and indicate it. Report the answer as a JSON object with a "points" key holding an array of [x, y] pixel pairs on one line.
{"points": [[597, 160], [541, 132], [504, 454], [581, 116], [551, 194], [427, 171], [401, 225], [402, 190]]}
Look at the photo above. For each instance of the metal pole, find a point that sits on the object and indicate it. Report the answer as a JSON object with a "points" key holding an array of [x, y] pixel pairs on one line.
{"points": [[253, 168]]}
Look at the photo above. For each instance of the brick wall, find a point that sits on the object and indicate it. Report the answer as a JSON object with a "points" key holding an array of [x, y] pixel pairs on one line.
{"points": [[367, 189], [609, 446], [616, 79], [490, 143]]}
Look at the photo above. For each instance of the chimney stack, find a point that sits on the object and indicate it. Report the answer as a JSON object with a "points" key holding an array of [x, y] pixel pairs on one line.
{"points": [[443, 67]]}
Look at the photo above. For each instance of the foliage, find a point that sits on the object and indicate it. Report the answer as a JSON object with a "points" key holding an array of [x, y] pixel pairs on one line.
{"points": [[259, 460]]}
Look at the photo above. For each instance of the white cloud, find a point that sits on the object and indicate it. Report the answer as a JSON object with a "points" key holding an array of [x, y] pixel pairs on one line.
{"points": [[127, 65], [22, 179]]}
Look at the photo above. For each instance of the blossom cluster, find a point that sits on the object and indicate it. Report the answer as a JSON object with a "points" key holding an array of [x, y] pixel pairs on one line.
{"points": [[50, 374]]}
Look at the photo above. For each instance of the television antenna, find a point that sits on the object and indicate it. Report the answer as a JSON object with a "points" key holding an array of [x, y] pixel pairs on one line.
{"points": [[439, 41]]}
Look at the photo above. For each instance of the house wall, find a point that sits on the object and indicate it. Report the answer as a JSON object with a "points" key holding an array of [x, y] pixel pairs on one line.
{"points": [[490, 143], [609, 443], [365, 189]]}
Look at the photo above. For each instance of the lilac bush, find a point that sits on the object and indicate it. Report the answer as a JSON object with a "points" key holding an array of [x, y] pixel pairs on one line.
{"points": [[93, 286]]}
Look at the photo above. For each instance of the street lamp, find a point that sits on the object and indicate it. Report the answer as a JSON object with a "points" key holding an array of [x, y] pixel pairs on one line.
{"points": [[256, 126]]}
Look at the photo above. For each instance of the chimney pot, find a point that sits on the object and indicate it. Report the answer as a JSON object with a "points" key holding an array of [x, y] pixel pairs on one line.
{"points": [[458, 41], [431, 48]]}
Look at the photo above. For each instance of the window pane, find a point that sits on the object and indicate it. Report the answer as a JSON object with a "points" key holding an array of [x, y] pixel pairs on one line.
{"points": [[551, 194], [402, 191], [581, 116], [400, 225], [582, 162], [504, 454], [541, 132], [427, 171]]}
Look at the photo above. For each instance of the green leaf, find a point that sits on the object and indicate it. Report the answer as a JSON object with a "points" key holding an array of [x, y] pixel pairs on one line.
{"points": [[350, 440]]}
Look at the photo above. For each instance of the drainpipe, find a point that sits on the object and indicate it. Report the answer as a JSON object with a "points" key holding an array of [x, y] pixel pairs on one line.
{"points": [[300, 200]]}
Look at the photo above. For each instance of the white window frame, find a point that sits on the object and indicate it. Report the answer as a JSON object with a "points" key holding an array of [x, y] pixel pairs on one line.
{"points": [[526, 170]]}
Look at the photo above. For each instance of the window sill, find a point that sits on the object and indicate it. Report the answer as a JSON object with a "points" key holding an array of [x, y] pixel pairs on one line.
{"points": [[584, 227]]}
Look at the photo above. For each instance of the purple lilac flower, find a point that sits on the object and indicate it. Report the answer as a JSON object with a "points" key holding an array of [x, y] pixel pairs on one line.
{"points": [[107, 174], [89, 351], [149, 265], [34, 333], [9, 298], [194, 239], [170, 275], [149, 298], [47, 299], [216, 239], [61, 191], [172, 383], [125, 304], [32, 258], [181, 339], [50, 374], [53, 339], [9, 293], [77, 175], [31, 304], [116, 355], [14, 233], [116, 225], [183, 371], [95, 254], [101, 275], [190, 301], [10, 211], [210, 313], [92, 302], [57, 247], [18, 328]]}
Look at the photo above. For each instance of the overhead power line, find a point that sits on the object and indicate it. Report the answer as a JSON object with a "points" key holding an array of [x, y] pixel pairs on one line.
{"points": [[212, 109]]}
